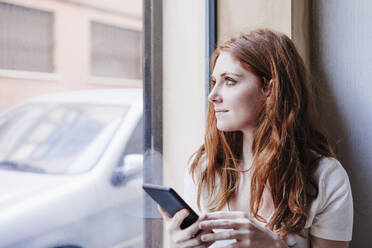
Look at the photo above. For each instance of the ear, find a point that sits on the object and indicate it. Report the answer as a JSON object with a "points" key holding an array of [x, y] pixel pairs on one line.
{"points": [[267, 88]]}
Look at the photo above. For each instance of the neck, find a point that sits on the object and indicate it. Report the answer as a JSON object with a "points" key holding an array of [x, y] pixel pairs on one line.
{"points": [[247, 149]]}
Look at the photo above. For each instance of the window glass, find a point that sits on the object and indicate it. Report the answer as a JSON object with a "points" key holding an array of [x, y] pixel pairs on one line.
{"points": [[70, 129]]}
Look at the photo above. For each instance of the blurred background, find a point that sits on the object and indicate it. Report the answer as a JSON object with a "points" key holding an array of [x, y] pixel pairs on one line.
{"points": [[50, 46], [71, 131]]}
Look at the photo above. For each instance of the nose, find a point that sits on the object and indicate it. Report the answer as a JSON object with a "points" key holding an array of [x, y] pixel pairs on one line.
{"points": [[214, 96]]}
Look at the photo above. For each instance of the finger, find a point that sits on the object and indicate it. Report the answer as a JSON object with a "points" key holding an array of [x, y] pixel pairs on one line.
{"points": [[201, 246], [195, 241], [162, 211], [233, 245], [192, 232], [227, 215], [255, 224], [225, 235], [179, 217], [223, 223]]}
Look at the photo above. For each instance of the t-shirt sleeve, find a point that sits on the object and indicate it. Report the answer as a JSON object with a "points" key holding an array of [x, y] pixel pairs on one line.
{"points": [[332, 211]]}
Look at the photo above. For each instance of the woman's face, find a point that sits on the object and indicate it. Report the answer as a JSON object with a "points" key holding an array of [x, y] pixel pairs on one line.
{"points": [[237, 95]]}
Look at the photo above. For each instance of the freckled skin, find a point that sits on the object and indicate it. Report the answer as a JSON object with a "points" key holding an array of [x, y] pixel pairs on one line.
{"points": [[243, 99]]}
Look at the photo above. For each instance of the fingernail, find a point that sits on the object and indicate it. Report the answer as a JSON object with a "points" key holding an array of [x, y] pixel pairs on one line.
{"points": [[203, 238]]}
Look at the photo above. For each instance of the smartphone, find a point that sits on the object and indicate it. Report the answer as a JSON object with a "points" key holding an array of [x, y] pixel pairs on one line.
{"points": [[171, 202]]}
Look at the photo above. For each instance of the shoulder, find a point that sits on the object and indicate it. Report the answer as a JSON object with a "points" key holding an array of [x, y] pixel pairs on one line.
{"points": [[334, 200], [329, 166], [192, 180], [194, 173], [330, 174], [200, 166]]}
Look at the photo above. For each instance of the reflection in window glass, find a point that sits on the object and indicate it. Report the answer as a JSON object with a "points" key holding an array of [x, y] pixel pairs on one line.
{"points": [[34, 53], [115, 51], [54, 138], [70, 144], [135, 144], [62, 166]]}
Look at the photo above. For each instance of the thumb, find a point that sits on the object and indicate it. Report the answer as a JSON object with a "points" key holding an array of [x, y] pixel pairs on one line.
{"points": [[162, 211]]}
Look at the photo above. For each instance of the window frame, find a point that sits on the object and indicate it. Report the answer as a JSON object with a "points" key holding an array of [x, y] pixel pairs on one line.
{"points": [[152, 68], [210, 42], [152, 62]]}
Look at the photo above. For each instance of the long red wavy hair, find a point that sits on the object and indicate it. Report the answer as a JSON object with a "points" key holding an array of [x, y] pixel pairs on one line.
{"points": [[287, 141]]}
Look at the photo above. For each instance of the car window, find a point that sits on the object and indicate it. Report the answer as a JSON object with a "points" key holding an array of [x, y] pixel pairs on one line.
{"points": [[135, 143], [52, 136]]}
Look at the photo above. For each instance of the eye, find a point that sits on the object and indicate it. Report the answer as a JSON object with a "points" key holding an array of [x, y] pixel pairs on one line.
{"points": [[230, 81], [213, 83]]}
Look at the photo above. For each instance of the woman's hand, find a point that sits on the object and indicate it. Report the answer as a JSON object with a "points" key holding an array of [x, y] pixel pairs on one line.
{"points": [[187, 237], [246, 231]]}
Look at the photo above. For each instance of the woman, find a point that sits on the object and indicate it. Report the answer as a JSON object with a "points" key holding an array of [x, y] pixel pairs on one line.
{"points": [[266, 176]]}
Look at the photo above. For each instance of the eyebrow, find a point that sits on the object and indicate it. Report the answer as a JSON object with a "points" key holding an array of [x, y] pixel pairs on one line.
{"points": [[228, 73]]}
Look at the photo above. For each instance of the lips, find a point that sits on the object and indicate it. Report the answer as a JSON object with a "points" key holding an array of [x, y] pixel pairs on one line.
{"points": [[220, 112]]}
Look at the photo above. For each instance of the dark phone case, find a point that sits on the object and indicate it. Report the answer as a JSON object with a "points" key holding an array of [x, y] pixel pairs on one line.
{"points": [[171, 202]]}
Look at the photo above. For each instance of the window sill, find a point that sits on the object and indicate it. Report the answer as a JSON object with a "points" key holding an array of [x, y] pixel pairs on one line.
{"points": [[17, 74]]}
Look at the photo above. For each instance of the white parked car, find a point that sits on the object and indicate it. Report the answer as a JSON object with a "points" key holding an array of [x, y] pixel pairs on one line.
{"points": [[71, 171]]}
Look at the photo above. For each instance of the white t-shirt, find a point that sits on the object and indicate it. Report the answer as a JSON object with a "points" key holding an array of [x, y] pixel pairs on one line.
{"points": [[331, 213]]}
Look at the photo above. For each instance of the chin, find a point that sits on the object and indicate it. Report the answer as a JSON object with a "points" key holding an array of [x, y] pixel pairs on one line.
{"points": [[226, 128]]}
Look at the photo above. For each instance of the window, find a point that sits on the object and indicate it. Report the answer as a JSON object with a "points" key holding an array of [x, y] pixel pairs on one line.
{"points": [[26, 41], [115, 52], [62, 141]]}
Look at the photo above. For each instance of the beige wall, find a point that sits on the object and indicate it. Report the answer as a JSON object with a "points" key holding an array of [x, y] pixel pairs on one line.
{"points": [[235, 16], [183, 85], [72, 48], [288, 16]]}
